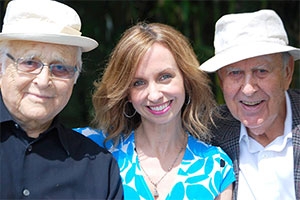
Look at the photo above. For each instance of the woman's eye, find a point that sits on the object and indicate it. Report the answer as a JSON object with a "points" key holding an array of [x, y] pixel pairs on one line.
{"points": [[165, 76], [138, 83]]}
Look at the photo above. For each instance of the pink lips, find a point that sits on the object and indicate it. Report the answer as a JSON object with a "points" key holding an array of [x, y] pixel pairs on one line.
{"points": [[160, 109], [251, 105]]}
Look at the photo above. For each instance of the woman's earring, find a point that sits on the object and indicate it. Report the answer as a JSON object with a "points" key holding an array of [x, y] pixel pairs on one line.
{"points": [[188, 101], [124, 111]]}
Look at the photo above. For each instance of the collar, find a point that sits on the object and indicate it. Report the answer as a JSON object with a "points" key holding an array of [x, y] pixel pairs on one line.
{"points": [[5, 116]]}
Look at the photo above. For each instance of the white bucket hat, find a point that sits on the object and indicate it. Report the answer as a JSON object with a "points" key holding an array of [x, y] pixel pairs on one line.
{"points": [[247, 35], [44, 21]]}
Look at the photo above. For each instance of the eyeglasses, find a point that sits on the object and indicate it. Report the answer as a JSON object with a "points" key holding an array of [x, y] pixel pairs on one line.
{"points": [[31, 66]]}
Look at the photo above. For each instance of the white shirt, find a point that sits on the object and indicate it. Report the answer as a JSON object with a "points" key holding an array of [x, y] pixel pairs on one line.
{"points": [[267, 173]]}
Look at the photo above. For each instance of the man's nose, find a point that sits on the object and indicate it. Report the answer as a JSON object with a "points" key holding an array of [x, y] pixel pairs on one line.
{"points": [[44, 77], [250, 86]]}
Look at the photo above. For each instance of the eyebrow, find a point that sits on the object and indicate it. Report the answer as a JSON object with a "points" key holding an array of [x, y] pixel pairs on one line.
{"points": [[230, 68]]}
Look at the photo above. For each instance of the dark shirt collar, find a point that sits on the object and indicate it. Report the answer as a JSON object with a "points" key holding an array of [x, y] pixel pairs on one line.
{"points": [[6, 116]]}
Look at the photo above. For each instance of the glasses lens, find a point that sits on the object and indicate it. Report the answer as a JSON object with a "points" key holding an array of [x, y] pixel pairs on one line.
{"points": [[62, 71], [30, 66]]}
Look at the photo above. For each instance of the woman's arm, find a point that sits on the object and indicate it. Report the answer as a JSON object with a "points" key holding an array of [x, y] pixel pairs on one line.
{"points": [[226, 194]]}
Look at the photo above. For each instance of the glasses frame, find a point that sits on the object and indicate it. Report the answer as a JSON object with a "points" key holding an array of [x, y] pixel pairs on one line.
{"points": [[42, 65]]}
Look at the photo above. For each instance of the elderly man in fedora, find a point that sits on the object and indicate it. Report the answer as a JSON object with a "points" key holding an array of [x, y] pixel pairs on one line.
{"points": [[40, 59], [260, 127]]}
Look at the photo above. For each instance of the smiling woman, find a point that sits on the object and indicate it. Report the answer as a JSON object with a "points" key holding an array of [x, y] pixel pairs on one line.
{"points": [[159, 95], [154, 115]]}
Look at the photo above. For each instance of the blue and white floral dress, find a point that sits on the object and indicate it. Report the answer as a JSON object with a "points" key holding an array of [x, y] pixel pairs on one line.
{"points": [[205, 171]]}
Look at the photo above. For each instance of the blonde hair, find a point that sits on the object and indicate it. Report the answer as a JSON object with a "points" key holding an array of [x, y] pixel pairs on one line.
{"points": [[110, 96]]}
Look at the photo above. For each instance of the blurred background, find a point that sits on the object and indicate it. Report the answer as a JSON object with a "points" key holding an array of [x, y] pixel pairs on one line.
{"points": [[105, 21]]}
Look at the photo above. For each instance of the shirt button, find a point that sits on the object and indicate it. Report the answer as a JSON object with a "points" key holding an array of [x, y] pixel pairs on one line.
{"points": [[26, 192], [29, 148]]}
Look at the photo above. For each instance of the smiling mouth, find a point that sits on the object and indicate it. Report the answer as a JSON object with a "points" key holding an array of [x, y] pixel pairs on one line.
{"points": [[160, 107], [251, 103], [40, 96]]}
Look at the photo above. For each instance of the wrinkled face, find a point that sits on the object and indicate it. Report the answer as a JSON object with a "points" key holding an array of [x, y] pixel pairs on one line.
{"points": [[254, 90], [157, 90], [39, 97]]}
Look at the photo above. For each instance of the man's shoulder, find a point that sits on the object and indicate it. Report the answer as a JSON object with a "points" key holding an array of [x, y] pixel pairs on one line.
{"points": [[294, 95], [224, 117]]}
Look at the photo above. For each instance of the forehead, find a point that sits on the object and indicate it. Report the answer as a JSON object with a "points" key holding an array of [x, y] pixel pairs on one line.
{"points": [[156, 58], [264, 60], [43, 50]]}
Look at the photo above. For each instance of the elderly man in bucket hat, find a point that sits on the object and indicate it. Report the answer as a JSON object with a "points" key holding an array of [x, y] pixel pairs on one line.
{"points": [[260, 128], [40, 59]]}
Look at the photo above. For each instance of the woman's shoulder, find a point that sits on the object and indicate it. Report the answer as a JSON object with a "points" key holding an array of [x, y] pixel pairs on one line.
{"points": [[87, 131], [94, 134], [98, 136], [202, 149]]}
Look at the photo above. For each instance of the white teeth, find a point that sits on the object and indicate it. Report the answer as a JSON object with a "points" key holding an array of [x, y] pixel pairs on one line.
{"points": [[251, 103], [159, 108]]}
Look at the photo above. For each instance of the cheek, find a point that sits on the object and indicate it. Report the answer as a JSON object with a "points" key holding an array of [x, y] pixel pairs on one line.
{"points": [[64, 92], [13, 85], [179, 91], [229, 89], [135, 96]]}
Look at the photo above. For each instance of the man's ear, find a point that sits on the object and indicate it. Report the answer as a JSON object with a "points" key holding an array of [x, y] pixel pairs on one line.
{"points": [[289, 71]]}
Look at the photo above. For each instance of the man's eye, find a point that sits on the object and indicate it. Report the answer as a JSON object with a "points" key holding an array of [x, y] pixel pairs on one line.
{"points": [[235, 72], [261, 72], [30, 63], [60, 68]]}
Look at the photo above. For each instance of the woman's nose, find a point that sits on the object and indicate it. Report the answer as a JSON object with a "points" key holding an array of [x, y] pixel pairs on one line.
{"points": [[154, 93]]}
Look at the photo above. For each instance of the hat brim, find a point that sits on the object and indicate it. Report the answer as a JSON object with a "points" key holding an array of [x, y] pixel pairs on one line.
{"points": [[87, 44], [242, 52]]}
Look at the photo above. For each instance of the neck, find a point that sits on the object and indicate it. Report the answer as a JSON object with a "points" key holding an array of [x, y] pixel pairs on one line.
{"points": [[159, 141], [266, 138], [34, 129], [267, 135], [159, 154]]}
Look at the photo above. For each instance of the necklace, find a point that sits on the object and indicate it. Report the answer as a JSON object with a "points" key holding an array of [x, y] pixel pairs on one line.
{"points": [[155, 193]]}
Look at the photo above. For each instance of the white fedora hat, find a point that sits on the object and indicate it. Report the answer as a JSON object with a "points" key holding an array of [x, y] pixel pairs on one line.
{"points": [[44, 21], [247, 35]]}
